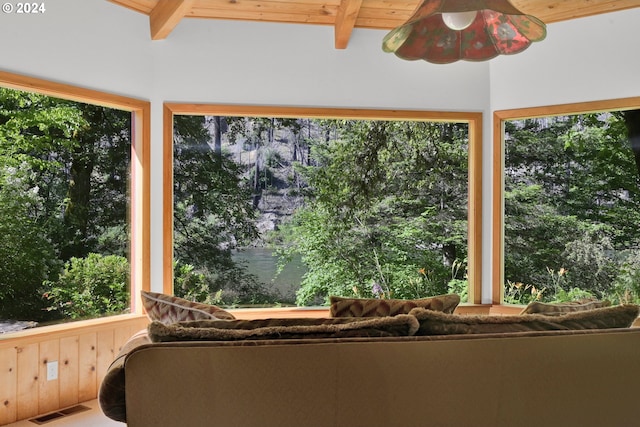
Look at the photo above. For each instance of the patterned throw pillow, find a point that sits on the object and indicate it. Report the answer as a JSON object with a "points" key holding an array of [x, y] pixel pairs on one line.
{"points": [[170, 309], [370, 307], [556, 309]]}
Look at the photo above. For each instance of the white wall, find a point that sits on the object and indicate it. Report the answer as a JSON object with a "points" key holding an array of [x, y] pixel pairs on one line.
{"points": [[586, 59], [92, 44], [287, 64], [96, 44]]}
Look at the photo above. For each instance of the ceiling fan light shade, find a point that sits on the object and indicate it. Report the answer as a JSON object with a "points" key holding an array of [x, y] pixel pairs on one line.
{"points": [[497, 29]]}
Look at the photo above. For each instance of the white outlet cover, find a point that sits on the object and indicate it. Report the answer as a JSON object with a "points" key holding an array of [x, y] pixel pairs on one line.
{"points": [[52, 370]]}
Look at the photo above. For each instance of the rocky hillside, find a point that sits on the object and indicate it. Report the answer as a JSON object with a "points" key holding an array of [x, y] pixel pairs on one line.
{"points": [[280, 194]]}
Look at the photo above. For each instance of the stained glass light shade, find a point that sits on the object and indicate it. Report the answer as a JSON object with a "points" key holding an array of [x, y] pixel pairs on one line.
{"points": [[497, 29]]}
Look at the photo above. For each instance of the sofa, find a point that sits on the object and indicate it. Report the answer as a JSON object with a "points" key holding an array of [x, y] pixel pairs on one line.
{"points": [[402, 370]]}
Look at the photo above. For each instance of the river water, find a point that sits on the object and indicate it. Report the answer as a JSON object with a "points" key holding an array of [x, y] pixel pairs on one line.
{"points": [[263, 263]]}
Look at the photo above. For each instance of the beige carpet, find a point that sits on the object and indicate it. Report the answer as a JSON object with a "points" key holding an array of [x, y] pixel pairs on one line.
{"points": [[91, 418]]}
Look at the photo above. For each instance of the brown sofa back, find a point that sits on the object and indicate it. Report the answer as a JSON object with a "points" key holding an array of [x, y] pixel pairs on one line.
{"points": [[528, 379]]}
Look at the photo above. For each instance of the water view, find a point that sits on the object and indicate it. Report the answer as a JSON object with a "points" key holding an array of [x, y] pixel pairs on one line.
{"points": [[263, 263]]}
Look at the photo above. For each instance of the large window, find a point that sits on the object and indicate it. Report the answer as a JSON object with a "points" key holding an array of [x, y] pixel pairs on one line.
{"points": [[357, 195], [74, 194], [570, 188]]}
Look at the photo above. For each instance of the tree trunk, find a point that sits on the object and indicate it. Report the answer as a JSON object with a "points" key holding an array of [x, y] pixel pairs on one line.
{"points": [[449, 254], [217, 135], [294, 153], [76, 213], [257, 189], [632, 121]]}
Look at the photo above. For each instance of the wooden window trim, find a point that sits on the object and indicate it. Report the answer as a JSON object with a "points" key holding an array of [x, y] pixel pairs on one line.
{"points": [[499, 117], [474, 180], [140, 167]]}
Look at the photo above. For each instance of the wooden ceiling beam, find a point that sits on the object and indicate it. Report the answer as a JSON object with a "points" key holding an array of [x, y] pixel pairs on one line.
{"points": [[142, 6], [344, 15], [166, 15], [345, 21]]}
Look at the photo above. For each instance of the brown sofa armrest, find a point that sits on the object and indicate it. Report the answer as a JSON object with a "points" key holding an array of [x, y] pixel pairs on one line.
{"points": [[111, 395]]}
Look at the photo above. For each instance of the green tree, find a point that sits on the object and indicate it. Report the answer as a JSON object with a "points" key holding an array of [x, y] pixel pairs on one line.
{"points": [[27, 255], [64, 180], [536, 236], [34, 131], [96, 197], [572, 203], [93, 286], [386, 206], [213, 214], [79, 155]]}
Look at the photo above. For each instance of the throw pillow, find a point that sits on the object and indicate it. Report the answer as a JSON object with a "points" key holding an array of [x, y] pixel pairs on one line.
{"points": [[555, 309], [372, 307], [436, 323], [170, 309]]}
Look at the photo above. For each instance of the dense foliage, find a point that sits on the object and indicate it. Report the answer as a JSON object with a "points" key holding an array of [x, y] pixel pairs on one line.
{"points": [[63, 193], [213, 214], [572, 209], [386, 210], [90, 287], [28, 257]]}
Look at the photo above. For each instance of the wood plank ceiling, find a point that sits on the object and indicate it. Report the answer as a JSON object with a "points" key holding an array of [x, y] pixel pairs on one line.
{"points": [[343, 15]]}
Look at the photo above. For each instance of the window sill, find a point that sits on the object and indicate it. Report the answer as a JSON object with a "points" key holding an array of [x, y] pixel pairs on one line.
{"points": [[68, 329]]}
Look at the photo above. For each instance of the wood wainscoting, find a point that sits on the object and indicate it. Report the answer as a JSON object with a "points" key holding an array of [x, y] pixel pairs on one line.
{"points": [[84, 350]]}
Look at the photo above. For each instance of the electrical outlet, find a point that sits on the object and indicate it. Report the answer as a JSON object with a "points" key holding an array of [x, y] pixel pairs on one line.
{"points": [[52, 370]]}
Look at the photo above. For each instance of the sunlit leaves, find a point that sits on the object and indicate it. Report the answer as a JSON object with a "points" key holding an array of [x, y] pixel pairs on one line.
{"points": [[33, 127]]}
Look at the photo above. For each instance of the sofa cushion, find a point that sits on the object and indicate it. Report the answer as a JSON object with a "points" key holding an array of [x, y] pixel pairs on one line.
{"points": [[437, 323], [555, 309], [231, 330], [373, 307], [170, 309]]}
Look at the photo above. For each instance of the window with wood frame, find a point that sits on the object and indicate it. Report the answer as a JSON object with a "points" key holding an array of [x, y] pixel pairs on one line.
{"points": [[71, 155], [254, 138], [568, 200]]}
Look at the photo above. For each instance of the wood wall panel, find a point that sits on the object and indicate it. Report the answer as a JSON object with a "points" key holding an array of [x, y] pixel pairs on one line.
{"points": [[48, 390], [83, 350], [27, 380], [69, 371], [87, 366], [8, 385], [105, 353]]}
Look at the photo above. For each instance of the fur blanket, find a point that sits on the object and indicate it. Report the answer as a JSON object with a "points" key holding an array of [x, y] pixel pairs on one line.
{"points": [[436, 323], [233, 330]]}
